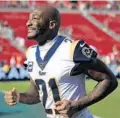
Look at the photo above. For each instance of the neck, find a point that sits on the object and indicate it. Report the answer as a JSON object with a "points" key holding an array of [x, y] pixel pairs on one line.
{"points": [[42, 40], [42, 43]]}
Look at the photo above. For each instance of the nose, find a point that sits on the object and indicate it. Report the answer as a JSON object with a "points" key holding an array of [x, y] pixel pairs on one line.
{"points": [[28, 23]]}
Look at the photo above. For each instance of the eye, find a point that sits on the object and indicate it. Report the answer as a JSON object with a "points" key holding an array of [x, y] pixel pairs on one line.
{"points": [[36, 18]]}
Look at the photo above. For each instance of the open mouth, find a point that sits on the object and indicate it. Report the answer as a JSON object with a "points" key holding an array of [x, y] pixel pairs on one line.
{"points": [[31, 30]]}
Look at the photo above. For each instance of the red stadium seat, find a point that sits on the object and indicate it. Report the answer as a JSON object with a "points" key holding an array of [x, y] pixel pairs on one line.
{"points": [[111, 20], [8, 50]]}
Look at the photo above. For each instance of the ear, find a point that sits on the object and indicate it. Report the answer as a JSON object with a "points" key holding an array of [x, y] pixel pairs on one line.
{"points": [[52, 24]]}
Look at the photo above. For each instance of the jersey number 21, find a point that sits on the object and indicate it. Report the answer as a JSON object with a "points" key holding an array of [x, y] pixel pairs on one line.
{"points": [[52, 84]]}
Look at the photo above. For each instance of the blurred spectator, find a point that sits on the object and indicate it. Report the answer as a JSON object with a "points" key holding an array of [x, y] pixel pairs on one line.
{"points": [[1, 49], [113, 68], [18, 61], [15, 4], [115, 55], [113, 5], [74, 4], [6, 68], [60, 4], [0, 24], [51, 1], [20, 41], [6, 31], [2, 74], [12, 61], [83, 5], [66, 31], [3, 70]]}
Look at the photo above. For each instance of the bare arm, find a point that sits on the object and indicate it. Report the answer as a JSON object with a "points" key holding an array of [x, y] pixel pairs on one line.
{"points": [[31, 96], [107, 82]]}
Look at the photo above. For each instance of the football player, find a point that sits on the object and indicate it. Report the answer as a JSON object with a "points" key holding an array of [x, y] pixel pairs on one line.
{"points": [[58, 67]]}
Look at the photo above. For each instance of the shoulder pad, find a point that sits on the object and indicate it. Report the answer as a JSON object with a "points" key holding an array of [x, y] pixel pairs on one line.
{"points": [[83, 52]]}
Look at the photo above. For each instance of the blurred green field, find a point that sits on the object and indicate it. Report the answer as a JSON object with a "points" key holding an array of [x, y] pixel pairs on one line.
{"points": [[107, 108]]}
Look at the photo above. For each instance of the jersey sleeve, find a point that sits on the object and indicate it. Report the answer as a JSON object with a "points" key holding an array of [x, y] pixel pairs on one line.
{"points": [[82, 53]]}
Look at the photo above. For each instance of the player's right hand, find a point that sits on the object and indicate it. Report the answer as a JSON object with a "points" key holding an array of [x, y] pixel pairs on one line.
{"points": [[12, 97]]}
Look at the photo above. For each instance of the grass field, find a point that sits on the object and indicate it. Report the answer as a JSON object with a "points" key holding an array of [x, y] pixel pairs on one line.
{"points": [[107, 108]]}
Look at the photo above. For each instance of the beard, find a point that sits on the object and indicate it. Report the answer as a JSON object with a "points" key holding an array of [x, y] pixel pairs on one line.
{"points": [[34, 34], [42, 34]]}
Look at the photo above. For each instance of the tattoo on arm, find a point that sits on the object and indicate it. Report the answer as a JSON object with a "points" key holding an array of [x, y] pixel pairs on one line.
{"points": [[31, 96], [28, 99], [106, 84]]}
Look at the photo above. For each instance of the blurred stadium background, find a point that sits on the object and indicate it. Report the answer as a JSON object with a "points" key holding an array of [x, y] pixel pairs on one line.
{"points": [[97, 22]]}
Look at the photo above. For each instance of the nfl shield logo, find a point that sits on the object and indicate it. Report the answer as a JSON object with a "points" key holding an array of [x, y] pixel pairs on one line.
{"points": [[30, 66], [42, 65]]}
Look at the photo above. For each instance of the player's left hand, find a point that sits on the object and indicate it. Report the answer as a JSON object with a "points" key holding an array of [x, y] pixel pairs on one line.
{"points": [[64, 108]]}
